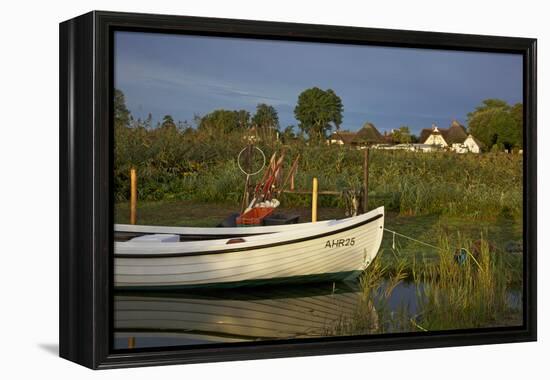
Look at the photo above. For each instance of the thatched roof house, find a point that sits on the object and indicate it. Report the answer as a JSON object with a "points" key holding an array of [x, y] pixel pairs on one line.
{"points": [[367, 135], [473, 145], [424, 134], [341, 137], [455, 134], [455, 137]]}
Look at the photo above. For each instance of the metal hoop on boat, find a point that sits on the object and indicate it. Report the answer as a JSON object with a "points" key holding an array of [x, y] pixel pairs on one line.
{"points": [[239, 161]]}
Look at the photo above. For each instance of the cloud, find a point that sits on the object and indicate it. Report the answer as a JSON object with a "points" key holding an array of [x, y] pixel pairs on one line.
{"points": [[182, 80]]}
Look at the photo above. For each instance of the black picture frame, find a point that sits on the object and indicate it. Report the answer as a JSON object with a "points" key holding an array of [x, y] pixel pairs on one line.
{"points": [[86, 203]]}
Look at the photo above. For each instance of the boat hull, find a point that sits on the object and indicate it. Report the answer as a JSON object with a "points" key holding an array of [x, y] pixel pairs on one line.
{"points": [[310, 255]]}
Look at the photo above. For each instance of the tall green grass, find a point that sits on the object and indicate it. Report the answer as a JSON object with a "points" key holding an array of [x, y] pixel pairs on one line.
{"points": [[373, 314], [475, 293], [188, 165]]}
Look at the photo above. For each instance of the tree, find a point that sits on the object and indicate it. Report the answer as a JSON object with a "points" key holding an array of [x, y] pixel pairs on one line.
{"points": [[243, 119], [496, 124], [288, 134], [121, 113], [223, 121], [266, 121], [517, 115], [318, 112], [168, 122], [402, 135]]}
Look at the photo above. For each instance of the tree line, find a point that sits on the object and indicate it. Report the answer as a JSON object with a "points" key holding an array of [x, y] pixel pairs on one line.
{"points": [[498, 125], [317, 111]]}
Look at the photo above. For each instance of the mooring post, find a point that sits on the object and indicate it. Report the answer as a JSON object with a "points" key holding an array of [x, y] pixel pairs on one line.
{"points": [[133, 196], [314, 200], [366, 181]]}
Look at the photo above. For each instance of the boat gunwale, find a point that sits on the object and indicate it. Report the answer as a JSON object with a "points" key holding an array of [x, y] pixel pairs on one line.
{"points": [[208, 232]]}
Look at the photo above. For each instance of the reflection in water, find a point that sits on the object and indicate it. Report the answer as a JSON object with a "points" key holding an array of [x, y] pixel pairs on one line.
{"points": [[215, 316], [162, 319]]}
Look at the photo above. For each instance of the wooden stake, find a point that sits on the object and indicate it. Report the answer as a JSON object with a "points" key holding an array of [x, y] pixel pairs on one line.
{"points": [[133, 196], [131, 342], [366, 181], [290, 176], [314, 200]]}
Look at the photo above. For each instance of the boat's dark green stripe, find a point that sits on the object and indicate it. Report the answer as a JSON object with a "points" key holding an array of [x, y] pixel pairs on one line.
{"points": [[229, 250], [309, 278], [282, 291]]}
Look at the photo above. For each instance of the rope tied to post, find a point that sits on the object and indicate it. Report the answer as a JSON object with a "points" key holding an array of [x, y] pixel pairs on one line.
{"points": [[412, 239], [460, 257]]}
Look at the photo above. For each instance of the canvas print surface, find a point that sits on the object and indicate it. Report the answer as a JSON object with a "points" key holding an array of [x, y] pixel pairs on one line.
{"points": [[269, 190]]}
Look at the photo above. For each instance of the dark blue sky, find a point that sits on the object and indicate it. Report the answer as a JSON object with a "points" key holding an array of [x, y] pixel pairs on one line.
{"points": [[187, 75]]}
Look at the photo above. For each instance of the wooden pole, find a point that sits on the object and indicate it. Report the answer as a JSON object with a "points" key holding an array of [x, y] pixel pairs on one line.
{"points": [[314, 200], [366, 181], [133, 196], [131, 342], [248, 164], [245, 201], [292, 181]]}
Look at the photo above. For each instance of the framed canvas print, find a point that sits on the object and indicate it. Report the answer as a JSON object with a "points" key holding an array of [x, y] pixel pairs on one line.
{"points": [[237, 189]]}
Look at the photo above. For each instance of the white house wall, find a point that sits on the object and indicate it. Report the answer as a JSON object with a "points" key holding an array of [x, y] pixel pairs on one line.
{"points": [[436, 140], [471, 145]]}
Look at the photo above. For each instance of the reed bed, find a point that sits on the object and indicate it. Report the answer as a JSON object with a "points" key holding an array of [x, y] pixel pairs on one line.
{"points": [[186, 165], [470, 285], [374, 314], [468, 290]]}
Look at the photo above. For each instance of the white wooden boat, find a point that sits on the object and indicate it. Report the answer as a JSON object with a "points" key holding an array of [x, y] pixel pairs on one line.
{"points": [[333, 250], [236, 314]]}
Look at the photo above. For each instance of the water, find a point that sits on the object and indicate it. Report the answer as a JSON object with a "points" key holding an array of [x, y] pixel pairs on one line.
{"points": [[246, 314], [163, 319]]}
